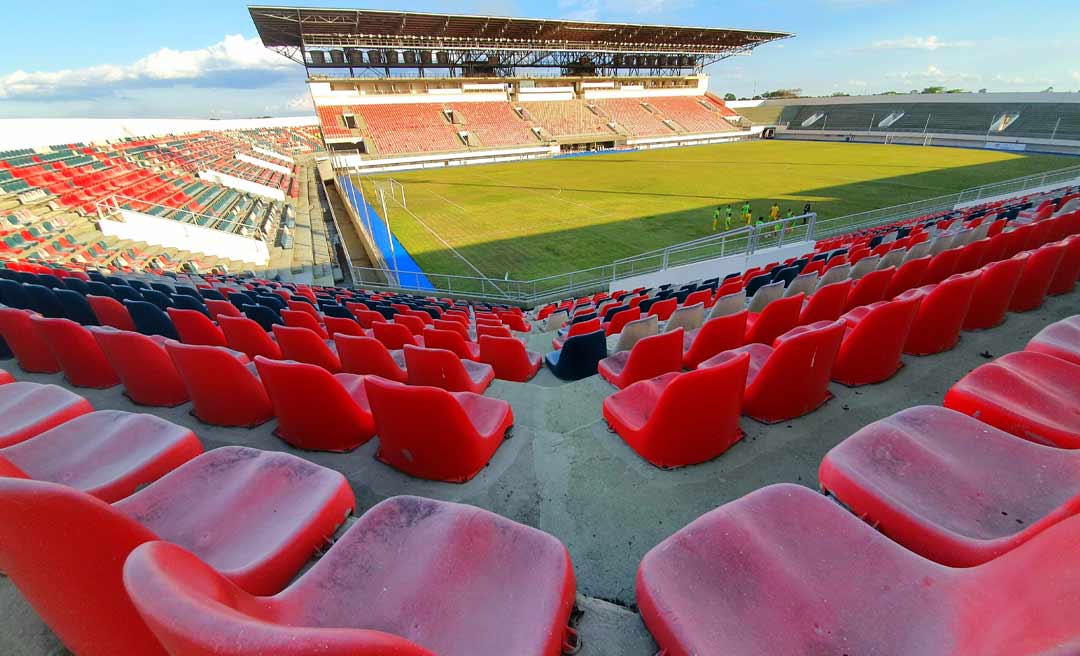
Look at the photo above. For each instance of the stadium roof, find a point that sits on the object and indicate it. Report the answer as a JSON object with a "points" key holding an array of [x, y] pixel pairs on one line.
{"points": [[298, 27]]}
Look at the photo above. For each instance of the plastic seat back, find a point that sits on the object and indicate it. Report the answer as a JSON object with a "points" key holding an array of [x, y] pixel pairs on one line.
{"points": [[194, 327], [827, 304], [909, 276], [804, 283], [864, 266], [942, 266], [416, 324], [266, 317], [765, 295], [76, 307], [579, 356], [941, 314], [149, 319], [313, 409], [454, 342], [223, 390], [776, 319], [244, 335], [726, 304], [454, 326], [144, 367], [74, 347], [993, 292], [1068, 271], [1036, 276], [30, 349], [509, 358], [651, 357], [339, 326], [835, 274], [715, 336], [794, 379], [219, 308], [871, 288], [663, 309], [295, 319], [689, 317], [871, 350], [393, 335], [1060, 339], [306, 346], [620, 319], [437, 367]]}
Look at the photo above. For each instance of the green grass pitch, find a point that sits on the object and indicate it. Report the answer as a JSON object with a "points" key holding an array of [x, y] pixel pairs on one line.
{"points": [[532, 219]]}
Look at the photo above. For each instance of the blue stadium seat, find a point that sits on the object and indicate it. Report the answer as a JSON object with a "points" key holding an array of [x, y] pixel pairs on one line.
{"points": [[126, 293], [213, 294], [240, 299], [44, 301], [271, 301], [756, 283], [76, 307], [98, 288], [77, 285], [162, 287], [157, 298], [579, 357], [337, 311], [185, 302], [262, 315], [50, 281], [13, 295], [188, 291]]}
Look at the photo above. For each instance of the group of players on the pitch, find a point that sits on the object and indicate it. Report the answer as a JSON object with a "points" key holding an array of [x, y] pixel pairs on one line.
{"points": [[724, 217]]}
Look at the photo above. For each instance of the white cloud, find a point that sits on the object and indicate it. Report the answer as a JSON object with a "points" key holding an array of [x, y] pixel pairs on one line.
{"points": [[920, 43], [1075, 75], [303, 101], [934, 74], [233, 54]]}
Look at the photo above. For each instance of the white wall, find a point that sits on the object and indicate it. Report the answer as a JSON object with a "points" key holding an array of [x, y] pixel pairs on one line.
{"points": [[185, 236], [719, 267], [263, 163], [240, 184], [38, 132]]}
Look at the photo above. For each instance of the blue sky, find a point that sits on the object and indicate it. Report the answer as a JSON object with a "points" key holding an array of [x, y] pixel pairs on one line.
{"points": [[200, 58]]}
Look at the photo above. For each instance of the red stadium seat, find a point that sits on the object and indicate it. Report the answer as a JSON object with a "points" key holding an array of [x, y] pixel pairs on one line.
{"points": [[29, 348], [368, 318], [515, 321], [910, 275], [442, 368], [972, 256], [224, 391], [248, 337], [942, 266], [941, 313], [949, 487], [301, 319], [304, 345], [871, 288], [827, 303], [1061, 340], [620, 319], [342, 326], [714, 337], [776, 319], [78, 354], [219, 309], [29, 409], [510, 588], [6, 378], [682, 418], [108, 454], [790, 378], [650, 357], [111, 312], [303, 306], [509, 358], [144, 367], [491, 330], [414, 324], [394, 335], [196, 328], [451, 440], [993, 293], [784, 570], [316, 410], [663, 309], [451, 341], [874, 340], [1064, 280], [255, 516], [1031, 395], [367, 355], [1036, 277]]}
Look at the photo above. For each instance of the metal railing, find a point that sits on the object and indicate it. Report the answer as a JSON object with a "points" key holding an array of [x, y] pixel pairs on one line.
{"points": [[946, 123], [739, 241]]}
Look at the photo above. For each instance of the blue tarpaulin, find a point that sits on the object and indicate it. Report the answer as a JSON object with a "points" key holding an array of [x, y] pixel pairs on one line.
{"points": [[393, 252]]}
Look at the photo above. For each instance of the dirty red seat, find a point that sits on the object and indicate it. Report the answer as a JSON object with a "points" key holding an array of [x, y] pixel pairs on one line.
{"points": [[255, 516], [949, 487], [473, 584], [871, 288], [777, 318], [993, 293], [650, 357], [301, 319], [1068, 271], [367, 355], [110, 312], [483, 329], [304, 345], [1031, 395], [826, 304], [1036, 277], [942, 266], [144, 367], [664, 309], [442, 368], [784, 570], [941, 314], [28, 346], [682, 419], [248, 337], [223, 388], [874, 341], [620, 319], [394, 335], [317, 410], [414, 324], [458, 327], [451, 440], [790, 378], [194, 327], [29, 409], [715, 336], [451, 341], [1060, 339], [972, 256], [368, 318], [303, 306], [109, 454], [509, 358], [220, 309], [515, 321], [579, 328], [74, 347]]}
